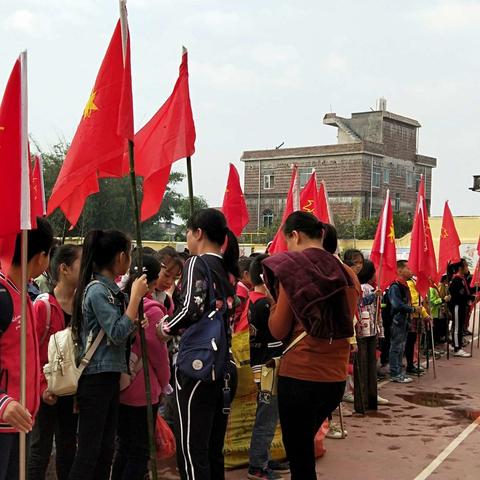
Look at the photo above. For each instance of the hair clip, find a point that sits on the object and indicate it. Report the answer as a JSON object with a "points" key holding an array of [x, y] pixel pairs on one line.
{"points": [[144, 269]]}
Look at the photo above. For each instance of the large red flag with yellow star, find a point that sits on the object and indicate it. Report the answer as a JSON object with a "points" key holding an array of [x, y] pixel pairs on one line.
{"points": [[309, 196], [97, 150], [234, 206], [422, 255], [384, 252], [449, 251]]}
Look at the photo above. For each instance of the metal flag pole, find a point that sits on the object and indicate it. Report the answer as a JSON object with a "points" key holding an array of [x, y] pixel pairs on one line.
{"points": [[143, 343], [190, 184], [25, 224]]}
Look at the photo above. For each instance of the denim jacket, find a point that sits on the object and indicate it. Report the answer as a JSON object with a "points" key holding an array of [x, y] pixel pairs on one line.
{"points": [[104, 307], [398, 295]]}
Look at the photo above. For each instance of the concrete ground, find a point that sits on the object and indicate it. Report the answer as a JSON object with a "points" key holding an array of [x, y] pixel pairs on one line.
{"points": [[400, 440]]}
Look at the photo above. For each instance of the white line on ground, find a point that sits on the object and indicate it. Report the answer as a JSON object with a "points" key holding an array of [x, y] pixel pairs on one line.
{"points": [[447, 451]]}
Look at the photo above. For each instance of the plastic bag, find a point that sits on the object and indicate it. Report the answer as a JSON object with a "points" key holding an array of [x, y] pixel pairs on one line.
{"points": [[164, 439], [319, 437]]}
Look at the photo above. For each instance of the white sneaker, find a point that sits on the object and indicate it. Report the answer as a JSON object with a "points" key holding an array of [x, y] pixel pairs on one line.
{"points": [[382, 401], [335, 432], [348, 397], [462, 353]]}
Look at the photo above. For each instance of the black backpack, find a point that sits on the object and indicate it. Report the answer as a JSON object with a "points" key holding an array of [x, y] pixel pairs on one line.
{"points": [[6, 309]]}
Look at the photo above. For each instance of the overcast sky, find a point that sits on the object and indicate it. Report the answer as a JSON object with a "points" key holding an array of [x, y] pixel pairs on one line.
{"points": [[264, 72]]}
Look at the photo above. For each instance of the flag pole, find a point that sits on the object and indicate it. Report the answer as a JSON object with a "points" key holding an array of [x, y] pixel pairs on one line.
{"points": [[190, 184], [143, 343], [25, 224]]}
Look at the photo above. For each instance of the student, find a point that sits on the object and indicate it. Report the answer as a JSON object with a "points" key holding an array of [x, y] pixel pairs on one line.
{"points": [[100, 306], [437, 297], [132, 455], [202, 407], [368, 329], [354, 259], [401, 310], [263, 348], [319, 299], [14, 417], [459, 306], [244, 285], [56, 416]]}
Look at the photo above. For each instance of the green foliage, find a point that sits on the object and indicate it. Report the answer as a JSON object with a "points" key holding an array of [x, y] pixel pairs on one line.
{"points": [[367, 227], [112, 206]]}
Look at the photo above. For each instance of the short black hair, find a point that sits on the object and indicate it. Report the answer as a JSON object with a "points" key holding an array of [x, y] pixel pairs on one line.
{"points": [[256, 269], [40, 240], [367, 272], [350, 255], [244, 264], [401, 264]]}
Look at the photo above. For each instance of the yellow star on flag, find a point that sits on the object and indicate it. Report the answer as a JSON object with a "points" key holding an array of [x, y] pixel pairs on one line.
{"points": [[90, 106], [391, 234], [309, 207], [444, 232]]}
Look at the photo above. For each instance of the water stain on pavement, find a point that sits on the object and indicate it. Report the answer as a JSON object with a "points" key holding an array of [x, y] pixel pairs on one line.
{"points": [[431, 399]]}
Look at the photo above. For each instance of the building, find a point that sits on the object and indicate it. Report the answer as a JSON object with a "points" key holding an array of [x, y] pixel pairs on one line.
{"points": [[375, 151]]}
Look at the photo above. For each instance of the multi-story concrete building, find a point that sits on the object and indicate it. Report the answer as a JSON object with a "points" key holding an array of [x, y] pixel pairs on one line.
{"points": [[376, 150]]}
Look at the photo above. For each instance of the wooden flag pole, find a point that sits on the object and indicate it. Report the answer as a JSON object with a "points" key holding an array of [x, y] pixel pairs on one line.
{"points": [[190, 184], [24, 225], [143, 343]]}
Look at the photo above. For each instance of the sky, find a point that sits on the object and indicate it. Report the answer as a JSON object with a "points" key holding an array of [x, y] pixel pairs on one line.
{"points": [[265, 72]]}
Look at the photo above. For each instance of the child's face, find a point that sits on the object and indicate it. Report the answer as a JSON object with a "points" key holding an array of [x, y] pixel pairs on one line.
{"points": [[169, 273], [357, 264], [38, 264], [124, 260], [193, 237], [246, 278], [405, 272]]}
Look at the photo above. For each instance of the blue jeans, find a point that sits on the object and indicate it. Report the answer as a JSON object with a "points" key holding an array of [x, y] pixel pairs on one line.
{"points": [[266, 421], [398, 339]]}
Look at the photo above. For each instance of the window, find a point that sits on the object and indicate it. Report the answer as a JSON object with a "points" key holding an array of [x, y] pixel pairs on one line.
{"points": [[386, 175], [376, 176], [267, 218], [409, 177], [418, 177], [397, 202], [304, 174], [268, 181]]}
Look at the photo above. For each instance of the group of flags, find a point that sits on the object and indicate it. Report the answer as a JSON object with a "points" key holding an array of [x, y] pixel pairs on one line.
{"points": [[101, 147]]}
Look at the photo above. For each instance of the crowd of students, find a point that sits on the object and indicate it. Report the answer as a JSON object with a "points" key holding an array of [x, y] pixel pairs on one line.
{"points": [[318, 324]]}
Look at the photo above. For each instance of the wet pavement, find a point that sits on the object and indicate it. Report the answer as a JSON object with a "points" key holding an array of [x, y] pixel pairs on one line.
{"points": [[400, 440]]}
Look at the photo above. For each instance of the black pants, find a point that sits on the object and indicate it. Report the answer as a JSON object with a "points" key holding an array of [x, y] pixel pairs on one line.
{"points": [[385, 342], [303, 407], [97, 398], [133, 450], [9, 456], [365, 374], [200, 426], [410, 349], [459, 314], [53, 420]]}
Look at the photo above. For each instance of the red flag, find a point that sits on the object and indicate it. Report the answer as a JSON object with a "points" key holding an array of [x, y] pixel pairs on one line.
{"points": [[323, 212], [422, 255], [279, 244], [100, 140], [167, 137], [309, 196], [384, 252], [37, 188], [234, 206], [476, 274], [449, 251], [14, 163]]}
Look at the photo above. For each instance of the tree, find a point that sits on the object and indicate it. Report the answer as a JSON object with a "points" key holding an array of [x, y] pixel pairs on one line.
{"points": [[112, 206]]}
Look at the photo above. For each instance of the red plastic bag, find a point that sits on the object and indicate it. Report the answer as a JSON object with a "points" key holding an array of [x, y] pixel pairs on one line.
{"points": [[164, 439], [322, 432]]}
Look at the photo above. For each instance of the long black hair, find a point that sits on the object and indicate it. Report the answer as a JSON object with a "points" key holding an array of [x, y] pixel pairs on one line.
{"points": [[304, 222], [63, 254], [367, 272], [100, 248], [330, 238], [151, 268], [213, 223]]}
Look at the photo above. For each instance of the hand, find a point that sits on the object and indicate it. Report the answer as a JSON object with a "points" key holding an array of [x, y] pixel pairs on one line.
{"points": [[139, 287], [49, 398], [144, 323], [353, 347], [18, 417], [163, 330], [447, 298], [418, 309], [378, 292]]}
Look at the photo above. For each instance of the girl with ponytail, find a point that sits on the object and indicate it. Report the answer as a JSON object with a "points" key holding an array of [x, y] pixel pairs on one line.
{"points": [[100, 306], [202, 406]]}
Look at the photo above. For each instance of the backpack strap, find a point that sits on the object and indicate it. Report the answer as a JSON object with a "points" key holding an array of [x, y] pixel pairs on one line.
{"points": [[45, 299], [294, 342], [6, 309], [91, 350]]}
